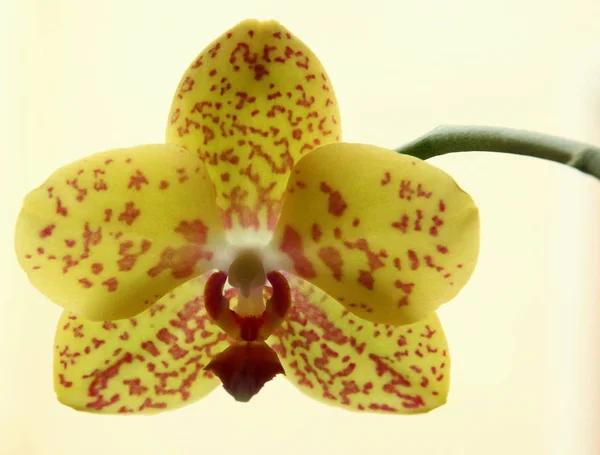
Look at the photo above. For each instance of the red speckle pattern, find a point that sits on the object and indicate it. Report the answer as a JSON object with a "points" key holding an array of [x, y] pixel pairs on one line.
{"points": [[345, 361], [250, 106], [145, 364]]}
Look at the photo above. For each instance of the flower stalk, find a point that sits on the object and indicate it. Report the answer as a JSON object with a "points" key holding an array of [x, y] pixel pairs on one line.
{"points": [[467, 138]]}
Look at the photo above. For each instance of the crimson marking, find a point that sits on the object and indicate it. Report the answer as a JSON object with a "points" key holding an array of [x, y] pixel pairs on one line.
{"points": [[64, 382], [407, 288], [47, 231], [135, 388], [337, 205], [374, 259], [165, 336], [402, 225], [130, 213], [316, 232], [136, 181], [194, 232], [149, 347], [387, 177], [332, 259], [86, 283], [414, 260], [111, 284], [291, 244], [366, 279], [60, 209]]}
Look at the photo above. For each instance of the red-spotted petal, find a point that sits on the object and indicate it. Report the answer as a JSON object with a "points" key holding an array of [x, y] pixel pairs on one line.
{"points": [[144, 365], [107, 236], [250, 105], [389, 236], [342, 360]]}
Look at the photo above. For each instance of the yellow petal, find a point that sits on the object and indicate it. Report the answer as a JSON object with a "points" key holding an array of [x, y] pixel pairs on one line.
{"points": [[387, 235], [109, 235], [144, 365], [250, 105], [341, 360]]}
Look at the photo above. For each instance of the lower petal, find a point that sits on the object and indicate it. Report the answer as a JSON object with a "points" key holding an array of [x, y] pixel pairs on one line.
{"points": [[339, 359], [151, 363]]}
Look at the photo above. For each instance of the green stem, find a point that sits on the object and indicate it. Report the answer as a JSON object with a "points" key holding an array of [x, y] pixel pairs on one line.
{"points": [[457, 138]]}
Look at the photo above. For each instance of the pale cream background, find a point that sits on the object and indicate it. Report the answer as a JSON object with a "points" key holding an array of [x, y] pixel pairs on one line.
{"points": [[82, 76]]}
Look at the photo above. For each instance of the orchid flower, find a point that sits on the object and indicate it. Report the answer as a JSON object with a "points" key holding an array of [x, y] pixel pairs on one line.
{"points": [[252, 243]]}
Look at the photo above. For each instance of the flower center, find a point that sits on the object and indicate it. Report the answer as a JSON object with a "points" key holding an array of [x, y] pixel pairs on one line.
{"points": [[247, 274], [249, 363], [252, 319]]}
